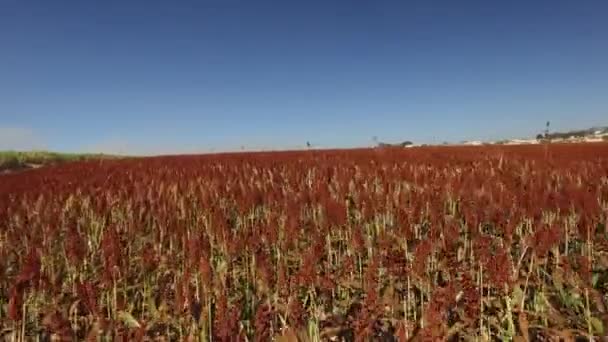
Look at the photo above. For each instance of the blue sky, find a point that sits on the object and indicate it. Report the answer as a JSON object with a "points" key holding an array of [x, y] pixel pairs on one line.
{"points": [[195, 76]]}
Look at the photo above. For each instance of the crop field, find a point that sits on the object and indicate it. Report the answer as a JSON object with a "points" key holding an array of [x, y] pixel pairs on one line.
{"points": [[424, 244]]}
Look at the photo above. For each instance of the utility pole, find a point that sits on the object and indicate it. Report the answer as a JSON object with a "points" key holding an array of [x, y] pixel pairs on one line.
{"points": [[547, 140]]}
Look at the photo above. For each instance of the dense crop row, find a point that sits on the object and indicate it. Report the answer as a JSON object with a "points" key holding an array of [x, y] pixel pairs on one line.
{"points": [[424, 243]]}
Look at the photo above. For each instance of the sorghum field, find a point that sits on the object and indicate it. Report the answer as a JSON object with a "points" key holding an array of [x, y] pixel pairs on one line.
{"points": [[432, 243]]}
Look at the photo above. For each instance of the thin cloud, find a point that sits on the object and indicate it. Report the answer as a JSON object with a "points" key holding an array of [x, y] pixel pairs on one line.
{"points": [[120, 146], [125, 146], [21, 139]]}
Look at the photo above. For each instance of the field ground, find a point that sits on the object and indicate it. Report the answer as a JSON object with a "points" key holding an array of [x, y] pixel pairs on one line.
{"points": [[11, 161], [469, 243]]}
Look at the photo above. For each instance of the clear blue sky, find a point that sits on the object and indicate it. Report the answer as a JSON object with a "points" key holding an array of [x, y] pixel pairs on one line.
{"points": [[181, 76]]}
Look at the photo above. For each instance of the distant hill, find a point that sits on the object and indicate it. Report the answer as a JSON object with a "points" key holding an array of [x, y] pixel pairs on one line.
{"points": [[583, 133], [593, 134]]}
